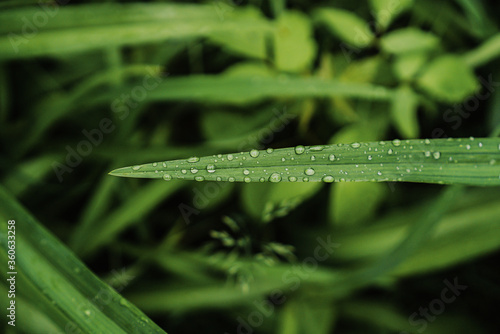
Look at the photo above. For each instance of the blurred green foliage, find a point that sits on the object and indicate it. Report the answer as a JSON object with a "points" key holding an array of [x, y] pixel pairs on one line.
{"points": [[86, 87]]}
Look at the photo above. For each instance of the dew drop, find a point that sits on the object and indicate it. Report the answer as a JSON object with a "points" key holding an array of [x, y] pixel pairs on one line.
{"points": [[467, 147], [246, 172], [313, 158], [309, 171], [299, 149], [306, 179], [183, 171], [230, 157], [247, 179], [317, 148], [331, 157], [275, 177], [254, 153], [210, 168], [165, 164], [219, 178], [292, 179], [370, 157], [480, 144], [167, 177], [136, 167], [155, 164], [436, 155], [199, 178], [262, 179], [194, 170], [396, 142], [269, 150], [231, 179], [379, 173], [193, 159], [390, 151], [328, 179], [355, 145], [427, 141]]}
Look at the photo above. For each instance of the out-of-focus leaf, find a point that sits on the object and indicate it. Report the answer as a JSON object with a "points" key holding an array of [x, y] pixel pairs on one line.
{"points": [[268, 201], [347, 26], [408, 40], [386, 11], [404, 112], [406, 66], [79, 28], [448, 78], [303, 316], [251, 43], [294, 47]]}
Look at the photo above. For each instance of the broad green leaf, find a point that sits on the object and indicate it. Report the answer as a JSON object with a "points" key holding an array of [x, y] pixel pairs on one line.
{"points": [[60, 284], [247, 43], [408, 40], [448, 78], [347, 26], [78, 28], [354, 203], [294, 47], [445, 161], [385, 11], [406, 66], [404, 112]]}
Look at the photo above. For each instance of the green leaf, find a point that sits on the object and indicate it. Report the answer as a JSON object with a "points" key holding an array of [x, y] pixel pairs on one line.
{"points": [[404, 112], [247, 43], [294, 47], [347, 26], [385, 11], [60, 284], [449, 79], [409, 40], [445, 161], [406, 66]]}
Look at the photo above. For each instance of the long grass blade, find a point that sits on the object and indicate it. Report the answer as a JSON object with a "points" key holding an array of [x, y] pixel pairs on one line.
{"points": [[473, 161]]}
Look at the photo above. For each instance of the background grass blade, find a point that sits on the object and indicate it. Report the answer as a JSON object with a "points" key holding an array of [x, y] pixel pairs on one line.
{"points": [[88, 27], [73, 297], [445, 161]]}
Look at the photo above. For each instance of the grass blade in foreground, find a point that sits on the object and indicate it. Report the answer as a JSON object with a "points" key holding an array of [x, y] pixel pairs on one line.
{"points": [[51, 277], [445, 161]]}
